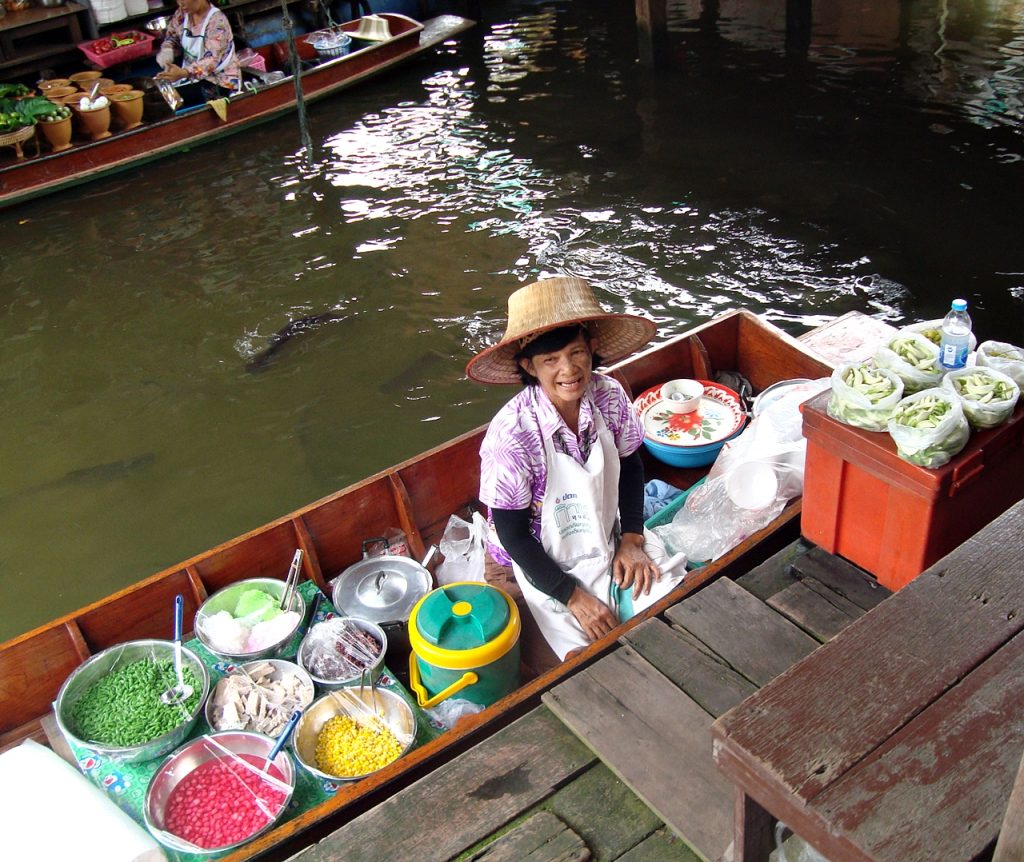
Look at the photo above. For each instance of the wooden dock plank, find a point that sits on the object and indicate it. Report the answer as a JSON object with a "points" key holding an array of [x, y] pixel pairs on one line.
{"points": [[656, 739], [954, 764], [889, 670], [704, 676], [494, 782], [585, 804], [818, 610], [774, 574], [754, 639], [840, 575], [662, 846], [540, 838]]}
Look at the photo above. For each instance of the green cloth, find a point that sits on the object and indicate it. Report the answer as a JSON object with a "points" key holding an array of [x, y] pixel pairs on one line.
{"points": [[126, 783]]}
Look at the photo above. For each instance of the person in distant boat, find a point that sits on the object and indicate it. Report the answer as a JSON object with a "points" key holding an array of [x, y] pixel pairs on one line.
{"points": [[560, 466], [201, 34]]}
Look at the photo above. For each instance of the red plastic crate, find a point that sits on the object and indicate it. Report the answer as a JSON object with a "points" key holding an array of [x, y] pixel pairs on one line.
{"points": [[142, 47], [863, 502]]}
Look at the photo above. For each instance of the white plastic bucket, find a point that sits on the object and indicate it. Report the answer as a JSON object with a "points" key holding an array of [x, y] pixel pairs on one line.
{"points": [[136, 7]]}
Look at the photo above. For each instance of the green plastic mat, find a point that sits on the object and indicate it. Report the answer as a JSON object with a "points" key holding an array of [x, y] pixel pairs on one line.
{"points": [[126, 783]]}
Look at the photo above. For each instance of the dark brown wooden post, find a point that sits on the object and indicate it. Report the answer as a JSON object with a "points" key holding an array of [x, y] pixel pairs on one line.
{"points": [[652, 32]]}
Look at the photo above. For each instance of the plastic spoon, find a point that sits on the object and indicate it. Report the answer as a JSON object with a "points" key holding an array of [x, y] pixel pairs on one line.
{"points": [[283, 738], [181, 691]]}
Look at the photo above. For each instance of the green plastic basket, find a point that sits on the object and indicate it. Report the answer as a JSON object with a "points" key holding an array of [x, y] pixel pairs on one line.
{"points": [[665, 516]]}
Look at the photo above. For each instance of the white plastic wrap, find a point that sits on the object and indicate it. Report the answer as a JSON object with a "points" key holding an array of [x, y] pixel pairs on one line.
{"points": [[1005, 358], [749, 484], [986, 395], [914, 358], [932, 442], [863, 396], [462, 546]]}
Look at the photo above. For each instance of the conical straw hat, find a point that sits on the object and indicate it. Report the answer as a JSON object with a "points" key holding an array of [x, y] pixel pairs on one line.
{"points": [[549, 304]]}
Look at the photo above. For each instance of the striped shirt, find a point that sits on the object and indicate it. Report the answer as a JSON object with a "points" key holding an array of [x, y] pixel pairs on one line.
{"points": [[513, 471]]}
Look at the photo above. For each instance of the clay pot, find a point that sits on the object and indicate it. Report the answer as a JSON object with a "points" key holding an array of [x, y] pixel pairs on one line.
{"points": [[79, 78], [51, 83], [114, 89], [55, 93], [128, 108], [57, 133], [95, 121]]}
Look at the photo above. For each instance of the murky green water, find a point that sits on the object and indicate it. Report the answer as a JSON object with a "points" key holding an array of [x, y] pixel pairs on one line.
{"points": [[879, 169]]}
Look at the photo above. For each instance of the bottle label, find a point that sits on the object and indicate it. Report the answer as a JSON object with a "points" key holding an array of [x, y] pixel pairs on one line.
{"points": [[953, 355]]}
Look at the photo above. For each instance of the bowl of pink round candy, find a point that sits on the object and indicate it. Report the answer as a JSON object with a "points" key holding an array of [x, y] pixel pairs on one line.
{"points": [[245, 621], [213, 795]]}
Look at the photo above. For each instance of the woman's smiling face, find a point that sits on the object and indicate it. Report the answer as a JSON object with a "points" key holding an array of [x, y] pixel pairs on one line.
{"points": [[563, 374]]}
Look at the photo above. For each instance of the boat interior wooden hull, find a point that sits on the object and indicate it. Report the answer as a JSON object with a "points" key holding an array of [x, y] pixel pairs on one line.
{"points": [[417, 496]]}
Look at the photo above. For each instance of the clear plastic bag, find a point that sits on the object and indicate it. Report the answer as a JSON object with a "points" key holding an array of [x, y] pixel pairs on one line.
{"points": [[1005, 358], [914, 358], [863, 396], [987, 396], [749, 484], [929, 427], [463, 546], [932, 330]]}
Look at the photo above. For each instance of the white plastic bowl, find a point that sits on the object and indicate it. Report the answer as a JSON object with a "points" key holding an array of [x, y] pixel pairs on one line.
{"points": [[682, 395]]}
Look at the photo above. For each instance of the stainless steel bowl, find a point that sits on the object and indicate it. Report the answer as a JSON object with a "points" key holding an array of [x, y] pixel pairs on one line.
{"points": [[157, 26], [281, 668], [227, 598], [49, 4], [192, 755], [372, 673], [393, 709], [83, 677]]}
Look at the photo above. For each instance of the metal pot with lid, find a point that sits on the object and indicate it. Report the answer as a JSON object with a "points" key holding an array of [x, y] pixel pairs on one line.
{"points": [[384, 590]]}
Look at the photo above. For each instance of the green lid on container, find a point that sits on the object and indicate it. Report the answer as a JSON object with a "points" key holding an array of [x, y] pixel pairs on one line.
{"points": [[462, 616]]}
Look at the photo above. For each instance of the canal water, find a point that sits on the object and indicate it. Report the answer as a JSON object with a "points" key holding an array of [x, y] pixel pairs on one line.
{"points": [[870, 162]]}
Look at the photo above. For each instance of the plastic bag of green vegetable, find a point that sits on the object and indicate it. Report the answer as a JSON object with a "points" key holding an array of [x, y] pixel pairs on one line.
{"points": [[1003, 357], [929, 427], [932, 330], [914, 358], [987, 396], [864, 396]]}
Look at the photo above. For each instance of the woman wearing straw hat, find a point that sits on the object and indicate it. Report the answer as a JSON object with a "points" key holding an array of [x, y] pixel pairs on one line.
{"points": [[561, 469]]}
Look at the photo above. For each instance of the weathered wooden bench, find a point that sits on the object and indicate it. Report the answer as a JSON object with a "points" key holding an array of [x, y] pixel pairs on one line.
{"points": [[900, 738]]}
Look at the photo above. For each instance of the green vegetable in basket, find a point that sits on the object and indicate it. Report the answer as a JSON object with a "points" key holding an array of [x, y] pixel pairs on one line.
{"points": [[869, 383], [983, 387], [912, 353], [925, 412]]}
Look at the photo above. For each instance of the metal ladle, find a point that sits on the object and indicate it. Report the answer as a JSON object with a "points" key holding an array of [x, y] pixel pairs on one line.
{"points": [[181, 691]]}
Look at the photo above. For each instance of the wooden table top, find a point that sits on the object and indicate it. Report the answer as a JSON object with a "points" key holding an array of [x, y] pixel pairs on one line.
{"points": [[900, 738], [34, 14]]}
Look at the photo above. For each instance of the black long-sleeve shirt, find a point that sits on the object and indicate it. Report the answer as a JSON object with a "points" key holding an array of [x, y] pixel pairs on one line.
{"points": [[513, 528]]}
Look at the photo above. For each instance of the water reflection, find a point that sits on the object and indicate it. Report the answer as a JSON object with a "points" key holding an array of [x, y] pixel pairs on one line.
{"points": [[163, 392]]}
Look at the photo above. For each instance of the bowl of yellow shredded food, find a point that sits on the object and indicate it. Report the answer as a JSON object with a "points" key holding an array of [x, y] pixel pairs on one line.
{"points": [[350, 733]]}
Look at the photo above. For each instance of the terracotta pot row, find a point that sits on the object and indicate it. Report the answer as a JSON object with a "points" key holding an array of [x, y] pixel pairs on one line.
{"points": [[95, 122]]}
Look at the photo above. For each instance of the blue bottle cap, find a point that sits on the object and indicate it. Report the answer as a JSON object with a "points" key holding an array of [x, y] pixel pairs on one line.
{"points": [[959, 305]]}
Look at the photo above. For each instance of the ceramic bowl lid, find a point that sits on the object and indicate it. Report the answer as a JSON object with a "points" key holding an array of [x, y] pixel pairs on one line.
{"points": [[381, 589], [718, 416]]}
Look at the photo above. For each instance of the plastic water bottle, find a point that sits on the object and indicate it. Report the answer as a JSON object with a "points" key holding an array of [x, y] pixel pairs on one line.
{"points": [[956, 334]]}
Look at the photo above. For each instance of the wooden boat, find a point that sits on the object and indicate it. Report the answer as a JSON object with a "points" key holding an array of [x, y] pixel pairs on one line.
{"points": [[258, 103], [417, 496]]}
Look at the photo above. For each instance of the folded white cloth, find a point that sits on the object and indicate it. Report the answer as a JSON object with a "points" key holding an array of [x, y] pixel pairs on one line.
{"points": [[37, 785]]}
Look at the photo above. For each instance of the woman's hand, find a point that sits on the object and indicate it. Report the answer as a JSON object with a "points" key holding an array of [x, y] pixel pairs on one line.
{"points": [[172, 73], [632, 566], [594, 616]]}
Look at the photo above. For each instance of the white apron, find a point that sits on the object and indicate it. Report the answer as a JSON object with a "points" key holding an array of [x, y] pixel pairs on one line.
{"points": [[193, 46], [577, 530]]}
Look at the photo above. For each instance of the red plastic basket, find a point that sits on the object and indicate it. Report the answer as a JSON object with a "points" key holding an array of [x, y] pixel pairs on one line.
{"points": [[141, 47]]}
